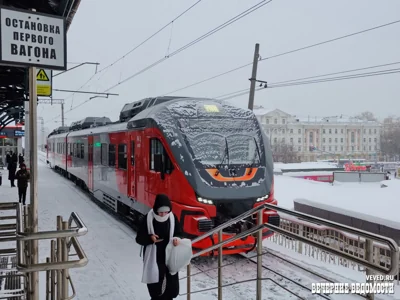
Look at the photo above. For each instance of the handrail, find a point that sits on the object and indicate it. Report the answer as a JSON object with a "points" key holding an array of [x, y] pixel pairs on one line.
{"points": [[385, 240], [70, 233], [45, 235]]}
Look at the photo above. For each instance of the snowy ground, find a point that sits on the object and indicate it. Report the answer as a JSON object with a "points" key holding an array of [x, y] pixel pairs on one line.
{"points": [[114, 269], [366, 198]]}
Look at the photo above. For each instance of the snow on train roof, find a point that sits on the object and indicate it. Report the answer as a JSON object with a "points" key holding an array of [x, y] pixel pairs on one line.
{"points": [[191, 107]]}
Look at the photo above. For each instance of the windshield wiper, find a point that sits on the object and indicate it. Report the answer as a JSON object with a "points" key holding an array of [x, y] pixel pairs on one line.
{"points": [[259, 157], [226, 155]]}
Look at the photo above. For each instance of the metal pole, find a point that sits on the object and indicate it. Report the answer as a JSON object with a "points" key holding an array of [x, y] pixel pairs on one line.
{"points": [[188, 281], [27, 130], [48, 286], [53, 272], [65, 259], [253, 77], [369, 256], [59, 258], [220, 266], [62, 114], [33, 175], [259, 255]]}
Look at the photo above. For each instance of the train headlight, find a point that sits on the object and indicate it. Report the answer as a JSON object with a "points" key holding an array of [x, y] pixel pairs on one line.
{"points": [[262, 198], [205, 201]]}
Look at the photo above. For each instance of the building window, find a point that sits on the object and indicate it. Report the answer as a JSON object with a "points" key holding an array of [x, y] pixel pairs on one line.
{"points": [[323, 140], [365, 148], [330, 131], [336, 140], [375, 140], [353, 138], [341, 148], [323, 148], [370, 140], [276, 121], [352, 148], [370, 131], [267, 121], [323, 131], [111, 155], [291, 140], [311, 137], [365, 140], [283, 121], [299, 149], [299, 131], [122, 156], [299, 140], [291, 130], [275, 140], [330, 140], [336, 131], [365, 131], [330, 148], [103, 154], [341, 140], [341, 131], [369, 148], [375, 131], [335, 148]]}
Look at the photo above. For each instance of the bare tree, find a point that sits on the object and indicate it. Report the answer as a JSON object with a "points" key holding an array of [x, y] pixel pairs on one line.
{"points": [[366, 116], [390, 137], [284, 153]]}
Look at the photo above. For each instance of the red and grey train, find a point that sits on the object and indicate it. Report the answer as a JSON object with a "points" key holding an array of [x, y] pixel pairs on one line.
{"points": [[212, 159]]}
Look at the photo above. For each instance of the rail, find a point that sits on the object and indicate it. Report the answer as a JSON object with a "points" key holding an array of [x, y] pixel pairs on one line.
{"points": [[366, 261]]}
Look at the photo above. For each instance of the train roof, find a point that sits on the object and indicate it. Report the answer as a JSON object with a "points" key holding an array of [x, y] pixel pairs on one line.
{"points": [[159, 109], [190, 108]]}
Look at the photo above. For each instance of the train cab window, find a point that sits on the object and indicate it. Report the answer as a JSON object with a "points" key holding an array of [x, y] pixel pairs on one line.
{"points": [[103, 154], [82, 151], [111, 155], [122, 156], [156, 147], [132, 153]]}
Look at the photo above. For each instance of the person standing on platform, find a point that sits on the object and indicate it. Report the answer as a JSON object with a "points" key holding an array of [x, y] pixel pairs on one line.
{"points": [[22, 177], [159, 226], [12, 168]]}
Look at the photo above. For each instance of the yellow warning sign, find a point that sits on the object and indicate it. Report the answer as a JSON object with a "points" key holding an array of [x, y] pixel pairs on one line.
{"points": [[211, 108], [44, 80], [42, 76]]}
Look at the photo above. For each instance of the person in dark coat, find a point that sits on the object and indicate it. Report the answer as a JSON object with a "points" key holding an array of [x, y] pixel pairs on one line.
{"points": [[21, 159], [22, 177], [12, 168], [164, 225]]}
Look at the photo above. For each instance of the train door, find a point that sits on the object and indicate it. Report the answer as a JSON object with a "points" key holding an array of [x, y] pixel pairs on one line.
{"points": [[131, 168], [160, 169], [90, 162]]}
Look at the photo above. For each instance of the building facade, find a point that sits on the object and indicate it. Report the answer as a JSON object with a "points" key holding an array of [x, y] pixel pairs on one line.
{"points": [[321, 138]]}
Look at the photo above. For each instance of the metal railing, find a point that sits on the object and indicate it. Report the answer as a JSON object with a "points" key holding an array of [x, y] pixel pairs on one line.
{"points": [[57, 265], [366, 261], [334, 238]]}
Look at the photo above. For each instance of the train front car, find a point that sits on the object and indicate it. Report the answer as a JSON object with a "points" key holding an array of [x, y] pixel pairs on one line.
{"points": [[227, 164]]}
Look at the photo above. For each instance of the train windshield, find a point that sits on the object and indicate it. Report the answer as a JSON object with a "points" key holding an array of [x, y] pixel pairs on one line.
{"points": [[214, 142]]}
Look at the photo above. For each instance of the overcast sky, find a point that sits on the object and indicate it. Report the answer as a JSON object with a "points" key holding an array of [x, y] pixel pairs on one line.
{"points": [[102, 33]]}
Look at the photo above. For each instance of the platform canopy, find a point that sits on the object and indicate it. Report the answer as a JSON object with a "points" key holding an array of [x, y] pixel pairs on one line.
{"points": [[14, 87]]}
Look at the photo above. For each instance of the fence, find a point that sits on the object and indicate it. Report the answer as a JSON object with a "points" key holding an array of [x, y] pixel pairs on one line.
{"points": [[358, 177]]}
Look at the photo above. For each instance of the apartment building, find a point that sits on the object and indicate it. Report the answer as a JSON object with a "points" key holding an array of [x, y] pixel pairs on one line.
{"points": [[314, 138]]}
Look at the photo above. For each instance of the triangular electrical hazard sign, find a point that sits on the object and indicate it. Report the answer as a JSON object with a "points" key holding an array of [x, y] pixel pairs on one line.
{"points": [[42, 76]]}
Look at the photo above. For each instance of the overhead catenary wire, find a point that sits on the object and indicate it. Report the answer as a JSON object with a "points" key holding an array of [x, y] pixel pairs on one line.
{"points": [[316, 76], [190, 44], [195, 41], [303, 82], [284, 53], [150, 37]]}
